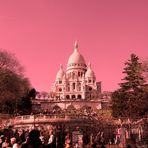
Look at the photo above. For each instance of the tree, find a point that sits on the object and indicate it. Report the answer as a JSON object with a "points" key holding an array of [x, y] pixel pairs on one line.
{"points": [[131, 99], [9, 62], [32, 93], [13, 84], [25, 103], [145, 69]]}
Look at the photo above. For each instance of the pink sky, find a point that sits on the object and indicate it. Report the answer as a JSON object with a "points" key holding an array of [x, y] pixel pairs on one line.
{"points": [[41, 33]]}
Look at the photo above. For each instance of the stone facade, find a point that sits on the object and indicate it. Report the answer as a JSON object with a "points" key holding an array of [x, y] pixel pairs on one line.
{"points": [[78, 82]]}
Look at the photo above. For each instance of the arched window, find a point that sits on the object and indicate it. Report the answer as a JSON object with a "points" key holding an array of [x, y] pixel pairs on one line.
{"points": [[56, 109], [73, 85], [79, 86], [90, 88], [68, 87], [67, 97], [60, 89], [78, 74], [79, 97], [73, 96], [73, 74]]}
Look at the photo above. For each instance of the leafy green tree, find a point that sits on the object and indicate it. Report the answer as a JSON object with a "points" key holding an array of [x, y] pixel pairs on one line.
{"points": [[13, 84], [131, 99]]}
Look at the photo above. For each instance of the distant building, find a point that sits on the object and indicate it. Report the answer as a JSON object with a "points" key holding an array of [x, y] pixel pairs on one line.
{"points": [[76, 86]]}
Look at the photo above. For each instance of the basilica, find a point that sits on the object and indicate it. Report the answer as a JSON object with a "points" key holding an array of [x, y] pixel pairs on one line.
{"points": [[78, 82], [76, 86]]}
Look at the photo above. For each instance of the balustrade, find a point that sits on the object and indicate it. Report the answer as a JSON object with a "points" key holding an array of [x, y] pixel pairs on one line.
{"points": [[48, 118]]}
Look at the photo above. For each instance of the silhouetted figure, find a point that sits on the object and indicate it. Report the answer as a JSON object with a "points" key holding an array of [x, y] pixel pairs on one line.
{"points": [[94, 145], [33, 140], [102, 146], [60, 137], [1, 141], [128, 146]]}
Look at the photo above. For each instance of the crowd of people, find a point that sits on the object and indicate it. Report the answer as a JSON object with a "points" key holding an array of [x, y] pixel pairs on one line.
{"points": [[31, 138], [53, 137]]}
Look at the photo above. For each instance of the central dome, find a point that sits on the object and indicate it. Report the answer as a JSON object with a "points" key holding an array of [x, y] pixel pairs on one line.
{"points": [[76, 60]]}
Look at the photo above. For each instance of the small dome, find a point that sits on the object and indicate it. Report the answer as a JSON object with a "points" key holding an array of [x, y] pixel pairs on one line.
{"points": [[60, 73], [89, 73], [76, 59]]}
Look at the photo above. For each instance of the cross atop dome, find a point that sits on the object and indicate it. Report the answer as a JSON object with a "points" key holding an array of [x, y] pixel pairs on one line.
{"points": [[76, 46], [61, 66], [89, 65]]}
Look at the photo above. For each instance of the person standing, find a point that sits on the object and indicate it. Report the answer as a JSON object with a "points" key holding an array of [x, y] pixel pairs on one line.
{"points": [[51, 141], [6, 143], [33, 140], [13, 143]]}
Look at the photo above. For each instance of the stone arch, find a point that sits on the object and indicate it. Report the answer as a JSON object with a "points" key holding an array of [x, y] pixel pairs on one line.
{"points": [[79, 96], [68, 87], [71, 107], [56, 109], [73, 97], [60, 89], [73, 85], [79, 74], [67, 97], [90, 88], [79, 86]]}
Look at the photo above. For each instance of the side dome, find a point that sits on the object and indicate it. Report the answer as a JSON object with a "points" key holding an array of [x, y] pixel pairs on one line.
{"points": [[60, 73], [89, 73], [76, 60]]}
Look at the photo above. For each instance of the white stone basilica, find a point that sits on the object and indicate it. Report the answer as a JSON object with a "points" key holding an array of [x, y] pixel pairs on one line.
{"points": [[78, 82], [77, 87]]}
